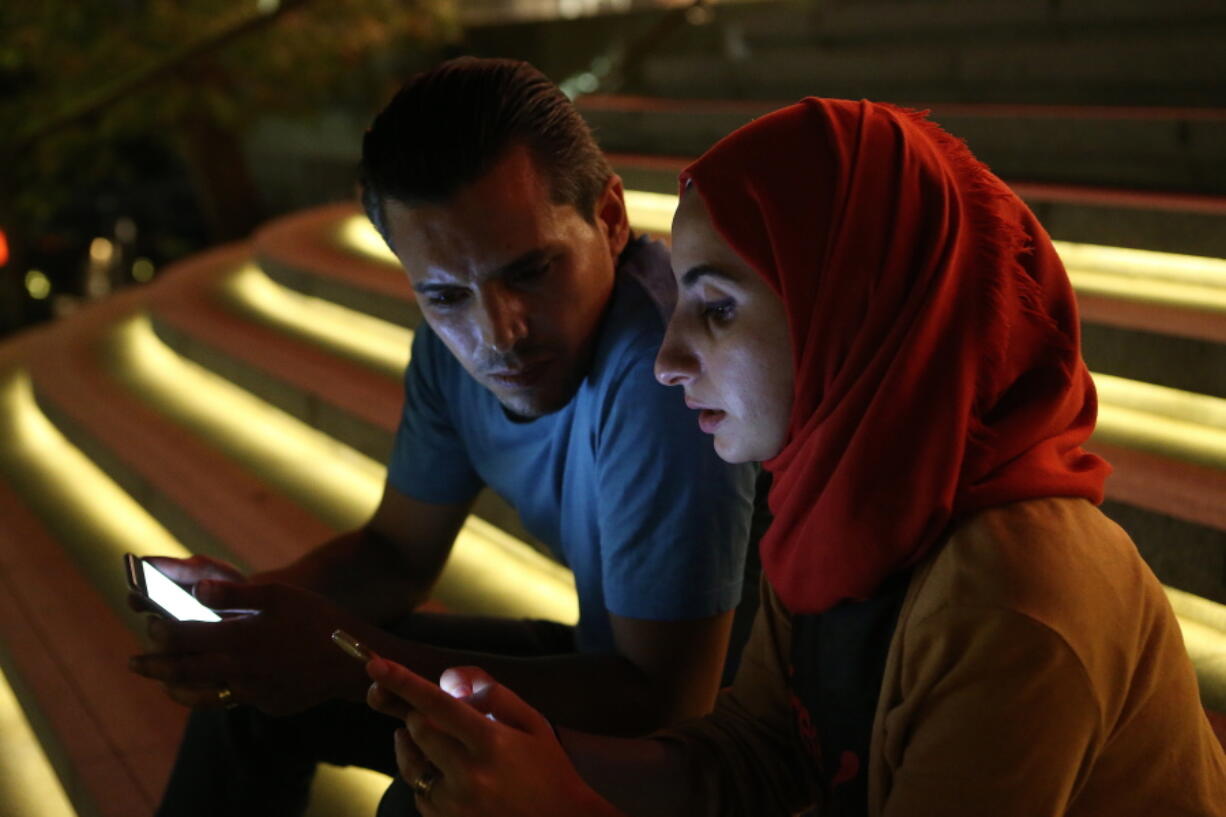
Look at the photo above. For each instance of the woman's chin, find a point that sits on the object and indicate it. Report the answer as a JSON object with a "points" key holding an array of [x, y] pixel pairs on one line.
{"points": [[737, 448], [731, 450]]}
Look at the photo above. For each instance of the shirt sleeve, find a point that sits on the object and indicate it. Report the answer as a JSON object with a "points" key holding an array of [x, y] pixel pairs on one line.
{"points": [[429, 461], [748, 750], [996, 716], [673, 518]]}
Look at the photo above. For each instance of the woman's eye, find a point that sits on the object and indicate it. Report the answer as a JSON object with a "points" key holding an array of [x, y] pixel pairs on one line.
{"points": [[720, 311]]}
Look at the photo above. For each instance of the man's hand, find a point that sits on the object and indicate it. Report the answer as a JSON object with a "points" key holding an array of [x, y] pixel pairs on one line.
{"points": [[278, 658], [187, 573]]}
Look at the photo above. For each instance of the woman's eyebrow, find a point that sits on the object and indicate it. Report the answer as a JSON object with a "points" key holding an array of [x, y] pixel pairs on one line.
{"points": [[694, 274]]}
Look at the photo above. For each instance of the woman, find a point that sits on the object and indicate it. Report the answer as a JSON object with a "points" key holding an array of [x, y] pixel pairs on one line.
{"points": [[949, 625]]}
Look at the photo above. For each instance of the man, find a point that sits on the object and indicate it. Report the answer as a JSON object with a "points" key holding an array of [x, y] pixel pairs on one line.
{"points": [[533, 375]]}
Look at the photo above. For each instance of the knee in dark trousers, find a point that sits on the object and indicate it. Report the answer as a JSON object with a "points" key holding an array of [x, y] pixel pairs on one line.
{"points": [[398, 801], [240, 762]]}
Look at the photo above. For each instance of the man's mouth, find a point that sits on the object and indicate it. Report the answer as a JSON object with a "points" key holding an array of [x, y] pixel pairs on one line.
{"points": [[520, 377]]}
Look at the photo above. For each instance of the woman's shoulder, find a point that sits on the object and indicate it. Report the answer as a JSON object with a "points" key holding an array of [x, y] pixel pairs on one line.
{"points": [[1059, 564], [1046, 557]]}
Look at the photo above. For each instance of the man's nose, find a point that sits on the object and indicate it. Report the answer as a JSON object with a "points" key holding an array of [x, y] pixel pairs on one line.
{"points": [[505, 320]]}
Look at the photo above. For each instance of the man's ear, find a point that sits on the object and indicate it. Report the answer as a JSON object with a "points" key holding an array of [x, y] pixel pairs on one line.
{"points": [[611, 215]]}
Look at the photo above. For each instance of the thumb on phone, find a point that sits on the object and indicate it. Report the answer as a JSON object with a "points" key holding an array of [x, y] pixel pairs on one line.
{"points": [[193, 569], [228, 595], [493, 700]]}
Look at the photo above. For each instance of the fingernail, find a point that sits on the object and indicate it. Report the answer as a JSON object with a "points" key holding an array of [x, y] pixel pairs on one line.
{"points": [[206, 590], [351, 646]]}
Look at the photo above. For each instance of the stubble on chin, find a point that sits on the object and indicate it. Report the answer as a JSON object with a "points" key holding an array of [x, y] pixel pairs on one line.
{"points": [[540, 402]]}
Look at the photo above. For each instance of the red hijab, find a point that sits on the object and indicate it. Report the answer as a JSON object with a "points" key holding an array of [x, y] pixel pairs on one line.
{"points": [[935, 339]]}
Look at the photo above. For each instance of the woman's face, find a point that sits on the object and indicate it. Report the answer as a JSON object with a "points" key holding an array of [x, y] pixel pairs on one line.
{"points": [[727, 343]]}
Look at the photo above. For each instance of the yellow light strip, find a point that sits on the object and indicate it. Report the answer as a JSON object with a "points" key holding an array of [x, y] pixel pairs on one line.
{"points": [[104, 521], [345, 790], [356, 233], [29, 786], [1176, 404], [1162, 420], [489, 571], [1149, 290], [1203, 623], [651, 212], [1165, 266], [1137, 275], [380, 344]]}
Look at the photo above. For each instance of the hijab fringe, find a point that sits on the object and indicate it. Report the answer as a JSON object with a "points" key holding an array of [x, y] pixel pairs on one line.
{"points": [[1002, 243]]}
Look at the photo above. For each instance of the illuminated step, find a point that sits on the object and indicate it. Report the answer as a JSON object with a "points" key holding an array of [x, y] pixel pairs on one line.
{"points": [[1172, 422], [341, 484], [1191, 284], [377, 343], [1203, 624], [1176, 222], [338, 370], [1168, 459], [28, 784], [1153, 277], [115, 706], [307, 252], [97, 520], [1176, 423]]}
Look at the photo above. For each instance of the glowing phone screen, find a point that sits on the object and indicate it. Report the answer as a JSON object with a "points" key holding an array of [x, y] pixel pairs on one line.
{"points": [[174, 599]]}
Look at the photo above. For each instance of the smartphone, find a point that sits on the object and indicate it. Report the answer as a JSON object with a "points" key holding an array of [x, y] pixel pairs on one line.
{"points": [[163, 594]]}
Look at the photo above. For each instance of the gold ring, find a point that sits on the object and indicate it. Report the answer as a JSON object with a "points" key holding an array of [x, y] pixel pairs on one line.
{"points": [[225, 697], [423, 783]]}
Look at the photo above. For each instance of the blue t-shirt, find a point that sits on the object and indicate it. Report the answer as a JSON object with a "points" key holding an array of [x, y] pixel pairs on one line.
{"points": [[620, 483]]}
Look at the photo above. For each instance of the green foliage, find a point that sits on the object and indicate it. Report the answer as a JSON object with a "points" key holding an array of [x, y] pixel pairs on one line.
{"points": [[87, 75], [58, 53]]}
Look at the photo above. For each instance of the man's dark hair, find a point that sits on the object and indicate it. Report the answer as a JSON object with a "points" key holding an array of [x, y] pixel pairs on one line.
{"points": [[450, 125]]}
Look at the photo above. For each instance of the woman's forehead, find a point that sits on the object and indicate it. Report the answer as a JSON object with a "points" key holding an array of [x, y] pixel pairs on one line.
{"points": [[695, 239]]}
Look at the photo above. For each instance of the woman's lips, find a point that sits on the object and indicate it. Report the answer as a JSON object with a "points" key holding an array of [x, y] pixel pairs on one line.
{"points": [[710, 419]]}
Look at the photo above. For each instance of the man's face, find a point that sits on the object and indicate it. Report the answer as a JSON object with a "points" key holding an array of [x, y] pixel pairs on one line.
{"points": [[512, 283]]}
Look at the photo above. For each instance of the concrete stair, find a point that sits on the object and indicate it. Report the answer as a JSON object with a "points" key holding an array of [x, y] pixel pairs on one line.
{"points": [[160, 421], [952, 50], [242, 404], [129, 427]]}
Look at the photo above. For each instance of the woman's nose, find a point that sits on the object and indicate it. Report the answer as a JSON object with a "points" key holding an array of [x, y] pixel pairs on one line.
{"points": [[676, 364]]}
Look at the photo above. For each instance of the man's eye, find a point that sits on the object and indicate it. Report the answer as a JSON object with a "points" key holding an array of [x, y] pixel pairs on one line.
{"points": [[446, 297], [719, 312], [528, 274]]}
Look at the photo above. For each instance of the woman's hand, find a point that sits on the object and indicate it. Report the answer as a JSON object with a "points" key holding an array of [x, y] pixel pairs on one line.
{"points": [[483, 748]]}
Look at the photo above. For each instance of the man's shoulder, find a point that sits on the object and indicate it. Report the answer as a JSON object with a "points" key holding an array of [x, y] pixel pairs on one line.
{"points": [[634, 324], [648, 263]]}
